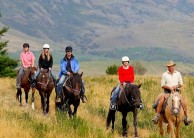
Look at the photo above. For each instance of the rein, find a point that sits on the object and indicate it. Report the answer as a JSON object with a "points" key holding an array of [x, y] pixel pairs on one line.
{"points": [[47, 79], [26, 69], [127, 99], [69, 87]]}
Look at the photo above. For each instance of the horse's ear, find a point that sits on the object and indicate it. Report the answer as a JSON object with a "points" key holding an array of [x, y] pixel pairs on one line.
{"points": [[139, 86], [81, 74]]}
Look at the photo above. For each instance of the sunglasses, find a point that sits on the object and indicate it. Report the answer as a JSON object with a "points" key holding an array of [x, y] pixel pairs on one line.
{"points": [[68, 51]]}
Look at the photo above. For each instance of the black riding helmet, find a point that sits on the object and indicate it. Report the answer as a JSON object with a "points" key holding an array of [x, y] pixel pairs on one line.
{"points": [[26, 45], [68, 48]]}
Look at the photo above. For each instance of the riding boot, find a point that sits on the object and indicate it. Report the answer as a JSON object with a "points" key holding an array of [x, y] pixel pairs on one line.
{"points": [[58, 98], [83, 97], [187, 120]]}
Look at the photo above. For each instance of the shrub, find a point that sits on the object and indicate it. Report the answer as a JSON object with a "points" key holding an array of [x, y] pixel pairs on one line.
{"points": [[139, 68], [111, 70]]}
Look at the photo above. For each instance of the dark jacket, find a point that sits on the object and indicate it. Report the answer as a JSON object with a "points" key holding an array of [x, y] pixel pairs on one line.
{"points": [[44, 63]]}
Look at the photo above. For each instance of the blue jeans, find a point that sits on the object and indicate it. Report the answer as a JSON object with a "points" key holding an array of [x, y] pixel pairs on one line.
{"points": [[38, 73], [115, 94], [61, 82]]}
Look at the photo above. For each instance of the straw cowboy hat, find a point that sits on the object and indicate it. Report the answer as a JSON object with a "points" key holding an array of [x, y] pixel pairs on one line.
{"points": [[170, 63]]}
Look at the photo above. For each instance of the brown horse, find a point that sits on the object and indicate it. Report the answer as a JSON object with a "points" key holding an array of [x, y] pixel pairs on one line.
{"points": [[71, 94], [173, 115], [129, 101], [25, 84], [45, 86]]}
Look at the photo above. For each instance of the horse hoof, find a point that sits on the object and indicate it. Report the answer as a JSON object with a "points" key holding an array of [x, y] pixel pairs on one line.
{"points": [[124, 134]]}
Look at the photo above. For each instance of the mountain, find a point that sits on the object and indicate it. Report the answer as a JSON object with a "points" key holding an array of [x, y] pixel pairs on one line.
{"points": [[105, 28]]}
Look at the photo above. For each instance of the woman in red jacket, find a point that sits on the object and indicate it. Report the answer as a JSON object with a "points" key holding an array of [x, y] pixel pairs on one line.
{"points": [[126, 74]]}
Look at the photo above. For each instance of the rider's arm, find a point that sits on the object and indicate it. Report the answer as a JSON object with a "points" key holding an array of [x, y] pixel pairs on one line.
{"points": [[63, 67], [51, 61], [33, 58], [22, 60]]}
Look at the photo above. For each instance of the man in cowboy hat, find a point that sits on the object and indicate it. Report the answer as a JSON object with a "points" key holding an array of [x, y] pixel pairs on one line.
{"points": [[171, 81]]}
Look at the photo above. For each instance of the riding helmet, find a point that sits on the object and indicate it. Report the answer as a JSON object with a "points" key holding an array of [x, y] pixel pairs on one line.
{"points": [[68, 48], [125, 58], [26, 45], [46, 46]]}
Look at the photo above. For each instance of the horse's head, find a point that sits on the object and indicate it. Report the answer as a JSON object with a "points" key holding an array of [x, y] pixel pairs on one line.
{"points": [[44, 78], [133, 92], [76, 83], [176, 102]]}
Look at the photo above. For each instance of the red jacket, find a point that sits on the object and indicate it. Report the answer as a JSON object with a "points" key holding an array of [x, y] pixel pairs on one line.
{"points": [[126, 74]]}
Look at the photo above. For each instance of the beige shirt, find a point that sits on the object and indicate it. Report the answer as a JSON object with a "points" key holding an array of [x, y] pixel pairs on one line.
{"points": [[171, 79]]}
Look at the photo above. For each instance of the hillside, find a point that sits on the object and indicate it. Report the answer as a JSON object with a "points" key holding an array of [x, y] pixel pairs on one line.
{"points": [[96, 26], [21, 122]]}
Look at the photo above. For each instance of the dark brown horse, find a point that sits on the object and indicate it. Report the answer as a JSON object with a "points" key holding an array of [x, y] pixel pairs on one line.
{"points": [[45, 86], [71, 94], [25, 84], [129, 100]]}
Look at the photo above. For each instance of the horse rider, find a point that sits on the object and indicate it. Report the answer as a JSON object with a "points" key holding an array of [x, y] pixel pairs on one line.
{"points": [[45, 62], [126, 74], [27, 59], [171, 81], [69, 64]]}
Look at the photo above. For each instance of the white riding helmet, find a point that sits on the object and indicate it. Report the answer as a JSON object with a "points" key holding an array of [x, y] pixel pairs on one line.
{"points": [[125, 58], [46, 46]]}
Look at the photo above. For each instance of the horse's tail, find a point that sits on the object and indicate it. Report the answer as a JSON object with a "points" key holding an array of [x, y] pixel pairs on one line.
{"points": [[110, 117], [19, 93]]}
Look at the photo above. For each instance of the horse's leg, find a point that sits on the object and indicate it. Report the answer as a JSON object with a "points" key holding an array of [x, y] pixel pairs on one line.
{"points": [[75, 110], [26, 96], [48, 101], [124, 124], [113, 120], [69, 109], [44, 102], [33, 92], [77, 102], [178, 129], [160, 127], [135, 122], [171, 128], [19, 95]]}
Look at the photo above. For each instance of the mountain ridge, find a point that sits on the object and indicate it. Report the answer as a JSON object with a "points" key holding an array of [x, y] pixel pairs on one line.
{"points": [[100, 26]]}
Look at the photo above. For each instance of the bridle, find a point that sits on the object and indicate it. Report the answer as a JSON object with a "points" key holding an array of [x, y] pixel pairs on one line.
{"points": [[69, 86], [173, 106], [131, 95], [48, 79]]}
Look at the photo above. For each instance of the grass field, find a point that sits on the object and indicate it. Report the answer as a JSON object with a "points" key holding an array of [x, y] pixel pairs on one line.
{"points": [[90, 122]]}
